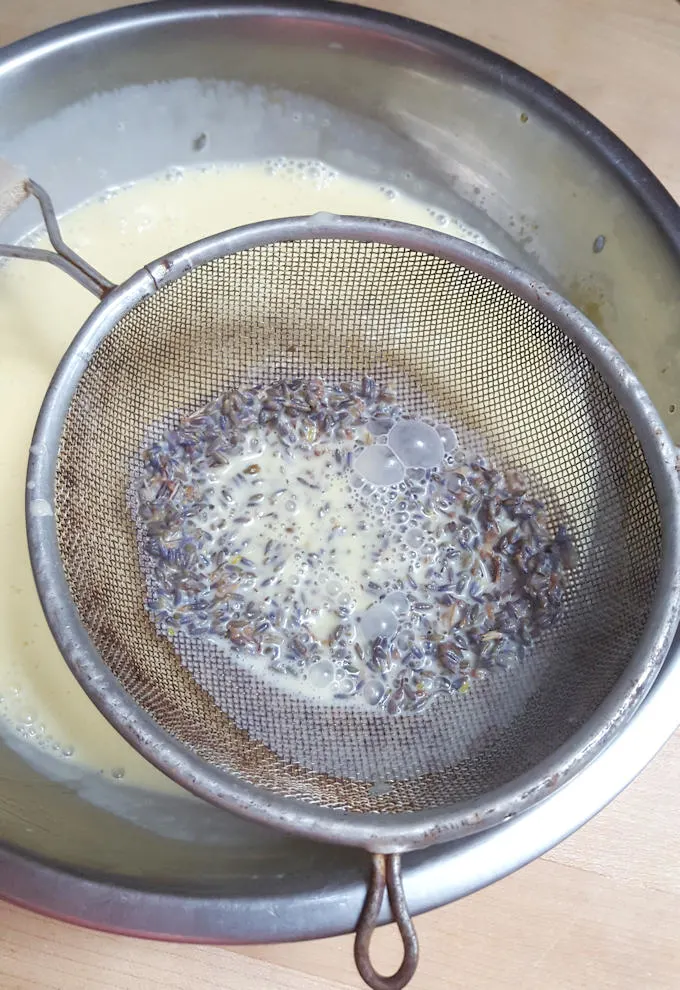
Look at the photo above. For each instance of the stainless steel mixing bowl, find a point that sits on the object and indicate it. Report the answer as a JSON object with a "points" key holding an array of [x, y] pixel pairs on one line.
{"points": [[547, 184]]}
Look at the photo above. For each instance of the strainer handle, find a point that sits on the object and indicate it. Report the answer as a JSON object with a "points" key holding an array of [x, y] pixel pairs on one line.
{"points": [[62, 256], [386, 872]]}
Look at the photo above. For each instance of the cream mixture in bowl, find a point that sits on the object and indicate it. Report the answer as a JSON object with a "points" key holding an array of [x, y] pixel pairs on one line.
{"points": [[40, 701]]}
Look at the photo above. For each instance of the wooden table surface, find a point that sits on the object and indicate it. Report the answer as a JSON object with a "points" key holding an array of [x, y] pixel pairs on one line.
{"points": [[601, 910]]}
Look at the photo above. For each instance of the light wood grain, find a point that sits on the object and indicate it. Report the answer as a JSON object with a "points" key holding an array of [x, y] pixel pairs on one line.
{"points": [[602, 909]]}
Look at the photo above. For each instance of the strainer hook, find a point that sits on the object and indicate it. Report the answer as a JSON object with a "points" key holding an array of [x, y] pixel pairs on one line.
{"points": [[386, 872], [63, 256]]}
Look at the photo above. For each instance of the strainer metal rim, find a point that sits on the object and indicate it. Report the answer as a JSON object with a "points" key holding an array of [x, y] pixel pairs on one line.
{"points": [[385, 832]]}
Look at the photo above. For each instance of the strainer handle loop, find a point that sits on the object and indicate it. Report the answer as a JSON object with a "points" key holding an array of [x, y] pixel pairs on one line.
{"points": [[386, 872], [63, 256]]}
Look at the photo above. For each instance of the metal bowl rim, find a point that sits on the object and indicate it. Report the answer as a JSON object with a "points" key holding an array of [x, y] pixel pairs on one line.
{"points": [[34, 883], [496, 69]]}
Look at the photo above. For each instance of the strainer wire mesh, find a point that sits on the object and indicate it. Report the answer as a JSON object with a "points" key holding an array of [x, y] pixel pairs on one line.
{"points": [[452, 343]]}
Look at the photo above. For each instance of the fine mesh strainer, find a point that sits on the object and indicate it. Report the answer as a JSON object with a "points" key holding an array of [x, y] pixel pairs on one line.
{"points": [[456, 331]]}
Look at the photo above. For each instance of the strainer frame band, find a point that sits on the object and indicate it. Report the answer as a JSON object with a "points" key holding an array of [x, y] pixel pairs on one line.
{"points": [[385, 833]]}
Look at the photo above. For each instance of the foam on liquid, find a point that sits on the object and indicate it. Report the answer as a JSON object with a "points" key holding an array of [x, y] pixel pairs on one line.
{"points": [[325, 528]]}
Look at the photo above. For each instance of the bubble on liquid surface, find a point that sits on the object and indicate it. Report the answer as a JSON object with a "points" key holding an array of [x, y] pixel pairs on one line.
{"points": [[333, 588], [379, 620], [416, 444], [373, 692], [321, 673], [397, 602], [449, 437], [379, 466], [414, 538], [380, 425], [417, 476]]}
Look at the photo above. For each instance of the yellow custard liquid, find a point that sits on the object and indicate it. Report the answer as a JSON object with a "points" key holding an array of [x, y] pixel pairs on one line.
{"points": [[41, 310]]}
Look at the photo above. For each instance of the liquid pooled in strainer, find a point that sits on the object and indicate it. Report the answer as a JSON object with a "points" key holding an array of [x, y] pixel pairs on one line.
{"points": [[319, 535]]}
